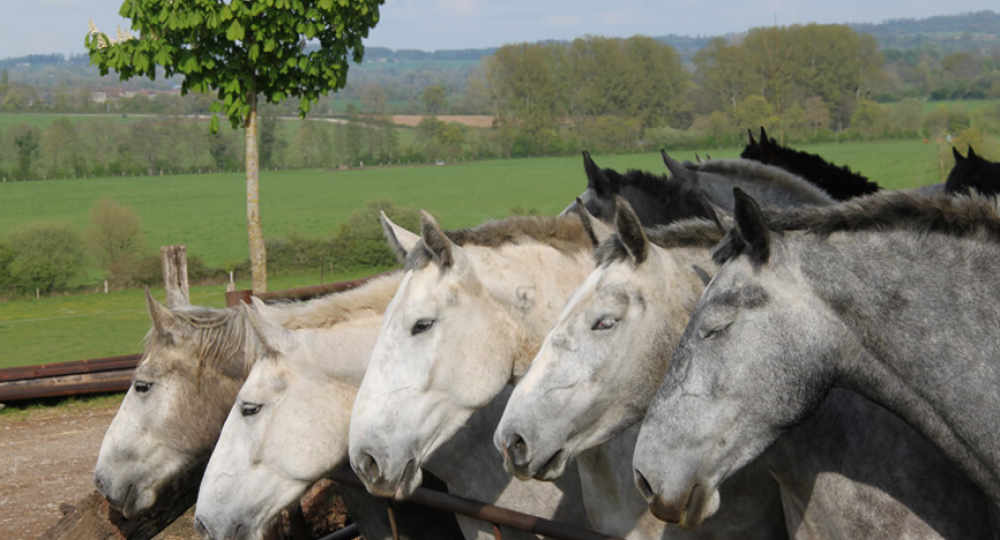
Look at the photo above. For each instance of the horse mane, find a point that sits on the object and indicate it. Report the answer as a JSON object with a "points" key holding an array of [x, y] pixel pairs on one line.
{"points": [[326, 311], [663, 188], [960, 216], [218, 337], [839, 181], [565, 234], [686, 233], [753, 171]]}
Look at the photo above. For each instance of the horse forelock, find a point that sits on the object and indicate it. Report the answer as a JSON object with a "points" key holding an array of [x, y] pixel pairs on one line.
{"points": [[210, 338]]}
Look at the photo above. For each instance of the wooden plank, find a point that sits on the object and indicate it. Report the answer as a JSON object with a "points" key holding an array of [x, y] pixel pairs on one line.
{"points": [[93, 519], [175, 275], [69, 385], [94, 365]]}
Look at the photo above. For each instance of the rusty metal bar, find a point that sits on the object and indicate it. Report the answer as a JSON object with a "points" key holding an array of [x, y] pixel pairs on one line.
{"points": [[70, 385], [487, 512], [347, 533], [76, 367]]}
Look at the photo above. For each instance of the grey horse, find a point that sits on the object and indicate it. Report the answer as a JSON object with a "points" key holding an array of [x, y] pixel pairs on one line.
{"points": [[892, 295]]}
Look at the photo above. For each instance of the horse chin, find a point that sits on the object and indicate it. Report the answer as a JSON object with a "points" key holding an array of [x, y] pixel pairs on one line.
{"points": [[409, 482], [554, 468], [137, 500]]}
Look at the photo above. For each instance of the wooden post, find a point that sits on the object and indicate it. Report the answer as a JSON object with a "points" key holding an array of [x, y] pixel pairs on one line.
{"points": [[175, 276]]}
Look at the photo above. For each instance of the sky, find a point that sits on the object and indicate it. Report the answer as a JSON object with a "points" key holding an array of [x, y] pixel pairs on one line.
{"points": [[58, 26]]}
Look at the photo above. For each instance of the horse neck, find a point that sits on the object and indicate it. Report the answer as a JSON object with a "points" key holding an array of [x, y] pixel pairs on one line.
{"points": [[922, 334], [343, 350], [786, 193], [531, 283]]}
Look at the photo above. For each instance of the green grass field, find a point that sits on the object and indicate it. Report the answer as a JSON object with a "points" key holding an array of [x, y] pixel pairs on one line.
{"points": [[44, 120], [206, 212]]}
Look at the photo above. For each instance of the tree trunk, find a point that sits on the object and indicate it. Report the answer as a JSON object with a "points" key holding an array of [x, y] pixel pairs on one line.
{"points": [[255, 233]]}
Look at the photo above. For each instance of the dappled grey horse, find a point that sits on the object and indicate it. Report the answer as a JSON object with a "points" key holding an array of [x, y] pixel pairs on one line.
{"points": [[893, 295]]}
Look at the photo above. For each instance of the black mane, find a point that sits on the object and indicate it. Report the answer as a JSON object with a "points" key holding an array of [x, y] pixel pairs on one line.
{"points": [[839, 181]]}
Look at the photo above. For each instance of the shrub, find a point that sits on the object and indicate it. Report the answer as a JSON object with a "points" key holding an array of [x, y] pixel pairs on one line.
{"points": [[47, 256], [360, 241], [115, 238], [6, 258]]}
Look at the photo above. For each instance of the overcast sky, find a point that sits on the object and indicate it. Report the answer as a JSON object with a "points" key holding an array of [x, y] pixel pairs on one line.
{"points": [[58, 26]]}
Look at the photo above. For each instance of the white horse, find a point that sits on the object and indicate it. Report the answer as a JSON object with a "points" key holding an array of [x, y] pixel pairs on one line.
{"points": [[289, 428], [855, 470], [470, 314]]}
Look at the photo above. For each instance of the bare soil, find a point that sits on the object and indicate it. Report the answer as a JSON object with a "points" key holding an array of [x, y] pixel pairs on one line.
{"points": [[47, 458], [468, 120]]}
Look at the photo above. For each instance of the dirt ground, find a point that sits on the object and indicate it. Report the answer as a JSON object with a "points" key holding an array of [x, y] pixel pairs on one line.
{"points": [[468, 120], [47, 458]]}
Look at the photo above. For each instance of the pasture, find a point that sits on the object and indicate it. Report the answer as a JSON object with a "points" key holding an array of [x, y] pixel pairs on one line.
{"points": [[206, 212]]}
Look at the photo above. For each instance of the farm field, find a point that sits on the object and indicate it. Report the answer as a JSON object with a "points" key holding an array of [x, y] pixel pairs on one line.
{"points": [[206, 212]]}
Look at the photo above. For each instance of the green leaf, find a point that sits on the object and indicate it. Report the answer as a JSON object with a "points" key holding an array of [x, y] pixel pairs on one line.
{"points": [[235, 32], [326, 5], [213, 125], [254, 52]]}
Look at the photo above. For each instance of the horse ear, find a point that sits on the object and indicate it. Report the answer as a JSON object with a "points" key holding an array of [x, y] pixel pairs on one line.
{"points": [[750, 134], [164, 321], [630, 231], [722, 218], [400, 240], [958, 155], [437, 242], [697, 158], [972, 154], [274, 337], [752, 227], [763, 136], [596, 179], [596, 229], [708, 157], [766, 147], [676, 168]]}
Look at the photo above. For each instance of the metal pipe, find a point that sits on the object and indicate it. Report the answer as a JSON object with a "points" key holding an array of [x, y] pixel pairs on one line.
{"points": [[347, 533], [487, 512]]}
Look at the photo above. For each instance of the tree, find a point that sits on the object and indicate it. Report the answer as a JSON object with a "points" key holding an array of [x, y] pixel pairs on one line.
{"points": [[27, 140], [47, 256], [434, 99], [816, 112], [241, 50], [869, 119], [115, 238]]}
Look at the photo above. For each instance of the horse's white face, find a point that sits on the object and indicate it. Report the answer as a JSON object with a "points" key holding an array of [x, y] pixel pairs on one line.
{"points": [[287, 429], [599, 366], [165, 427], [444, 352]]}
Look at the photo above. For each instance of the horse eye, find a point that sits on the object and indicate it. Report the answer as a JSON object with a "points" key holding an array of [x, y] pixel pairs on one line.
{"points": [[421, 326], [250, 409], [142, 387], [607, 323], [709, 333]]}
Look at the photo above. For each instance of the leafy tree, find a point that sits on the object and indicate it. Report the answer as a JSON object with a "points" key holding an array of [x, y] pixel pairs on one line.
{"points": [[360, 241], [817, 113], [27, 140], [434, 99], [241, 49], [753, 112], [869, 119], [47, 256], [6, 259], [116, 240]]}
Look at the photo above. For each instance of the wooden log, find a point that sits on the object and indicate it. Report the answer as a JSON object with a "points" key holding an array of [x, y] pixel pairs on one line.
{"points": [[57, 369], [68, 385], [175, 276]]}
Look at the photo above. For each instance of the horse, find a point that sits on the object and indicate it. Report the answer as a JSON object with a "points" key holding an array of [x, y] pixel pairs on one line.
{"points": [[973, 173], [588, 411], [162, 436], [892, 296], [656, 199], [289, 425], [718, 177], [471, 313], [466, 320], [840, 182], [853, 470]]}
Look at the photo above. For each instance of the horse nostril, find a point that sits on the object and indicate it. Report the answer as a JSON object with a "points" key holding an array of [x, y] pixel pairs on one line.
{"points": [[99, 484], [517, 449], [369, 468], [643, 486], [202, 531]]}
